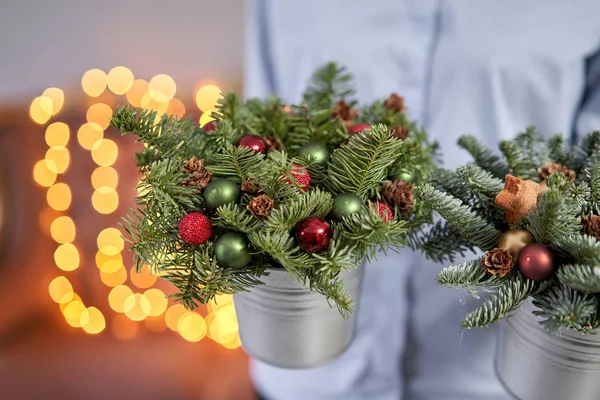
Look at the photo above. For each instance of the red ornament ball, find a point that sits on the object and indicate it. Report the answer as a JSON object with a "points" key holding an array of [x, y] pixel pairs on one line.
{"points": [[301, 177], [255, 143], [195, 228], [536, 262], [354, 129], [384, 211], [210, 126], [313, 234]]}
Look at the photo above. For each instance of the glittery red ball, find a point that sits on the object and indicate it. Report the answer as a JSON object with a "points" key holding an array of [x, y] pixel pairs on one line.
{"points": [[536, 262], [255, 143], [210, 126], [313, 234], [384, 211], [195, 228], [301, 176], [354, 129]]}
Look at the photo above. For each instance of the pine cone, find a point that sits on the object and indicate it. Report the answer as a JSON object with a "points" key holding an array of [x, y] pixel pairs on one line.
{"points": [[396, 103], [200, 176], [550, 168], [498, 262], [591, 226], [344, 112], [250, 188], [273, 143], [399, 194], [261, 206], [400, 132]]}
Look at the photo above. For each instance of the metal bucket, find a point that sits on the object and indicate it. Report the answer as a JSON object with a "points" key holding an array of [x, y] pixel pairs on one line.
{"points": [[535, 365], [284, 324]]}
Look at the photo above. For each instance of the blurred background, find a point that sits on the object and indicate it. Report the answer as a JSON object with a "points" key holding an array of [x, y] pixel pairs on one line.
{"points": [[75, 320]]}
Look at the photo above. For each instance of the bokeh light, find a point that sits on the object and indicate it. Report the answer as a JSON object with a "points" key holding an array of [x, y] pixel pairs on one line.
{"points": [[105, 177], [43, 175], [134, 95], [60, 288], [73, 313], [57, 134], [41, 109], [57, 159], [120, 80], [89, 135], [94, 82], [156, 324], [118, 296], [162, 88], [100, 114], [112, 279], [58, 98], [233, 343], [92, 321], [108, 263], [205, 118], [207, 97], [144, 279], [158, 301], [110, 242], [192, 327], [173, 314], [105, 153], [137, 307], [59, 196], [176, 107], [67, 299], [62, 230], [105, 202], [224, 326], [66, 257]]}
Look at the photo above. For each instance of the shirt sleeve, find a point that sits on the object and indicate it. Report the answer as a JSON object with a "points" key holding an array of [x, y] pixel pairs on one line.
{"points": [[588, 119], [258, 71]]}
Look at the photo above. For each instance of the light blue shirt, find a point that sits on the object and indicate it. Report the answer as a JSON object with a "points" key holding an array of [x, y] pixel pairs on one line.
{"points": [[483, 67]]}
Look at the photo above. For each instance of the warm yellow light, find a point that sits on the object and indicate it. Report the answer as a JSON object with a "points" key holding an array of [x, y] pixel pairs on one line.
{"points": [[57, 159], [120, 80], [176, 107], [156, 324], [89, 135], [173, 314], [43, 175], [94, 82], [192, 327], [57, 134], [205, 118], [73, 313], [62, 230], [224, 327], [58, 98], [233, 344], [117, 297], [67, 299], [41, 109], [220, 301], [111, 266], [105, 202], [66, 257], [105, 177], [102, 258], [135, 93], [123, 328], [137, 307], [207, 97], [105, 153], [112, 279], [110, 241], [94, 322], [162, 88], [158, 301], [149, 103], [59, 288], [59, 196], [100, 114], [144, 279]]}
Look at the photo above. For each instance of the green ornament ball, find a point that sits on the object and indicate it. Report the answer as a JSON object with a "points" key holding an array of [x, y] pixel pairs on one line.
{"points": [[345, 204], [220, 192], [231, 250], [316, 151], [404, 174]]}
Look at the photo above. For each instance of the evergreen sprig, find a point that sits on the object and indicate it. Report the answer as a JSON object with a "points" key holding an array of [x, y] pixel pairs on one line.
{"points": [[470, 275]]}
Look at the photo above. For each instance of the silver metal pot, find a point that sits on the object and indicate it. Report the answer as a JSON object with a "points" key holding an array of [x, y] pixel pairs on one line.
{"points": [[286, 325], [535, 365]]}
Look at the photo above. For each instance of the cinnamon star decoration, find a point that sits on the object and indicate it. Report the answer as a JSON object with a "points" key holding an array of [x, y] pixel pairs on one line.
{"points": [[517, 198]]}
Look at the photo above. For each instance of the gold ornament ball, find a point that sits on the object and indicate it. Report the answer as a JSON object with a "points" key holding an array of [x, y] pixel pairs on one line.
{"points": [[515, 240]]}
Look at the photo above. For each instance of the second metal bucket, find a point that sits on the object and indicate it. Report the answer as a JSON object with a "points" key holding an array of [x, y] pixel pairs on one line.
{"points": [[286, 325], [535, 365]]}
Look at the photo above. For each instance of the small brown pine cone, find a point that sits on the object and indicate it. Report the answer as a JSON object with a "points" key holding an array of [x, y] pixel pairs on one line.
{"points": [[261, 206], [250, 188], [591, 226], [200, 176], [396, 103], [342, 111], [400, 132], [273, 143], [498, 262], [399, 193], [550, 168]]}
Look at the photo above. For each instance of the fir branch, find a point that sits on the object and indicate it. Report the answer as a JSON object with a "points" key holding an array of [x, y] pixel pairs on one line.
{"points": [[473, 227], [449, 182], [440, 242], [236, 163], [563, 307], [283, 249], [315, 203], [587, 153], [585, 278], [581, 249], [520, 162], [484, 157], [328, 84], [235, 217], [470, 275], [480, 180], [560, 152], [554, 218], [508, 296], [363, 164], [593, 177]]}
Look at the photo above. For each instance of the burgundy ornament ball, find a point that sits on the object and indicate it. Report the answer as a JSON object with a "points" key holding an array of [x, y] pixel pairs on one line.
{"points": [[354, 129], [195, 228], [313, 234], [255, 143], [536, 262], [210, 126]]}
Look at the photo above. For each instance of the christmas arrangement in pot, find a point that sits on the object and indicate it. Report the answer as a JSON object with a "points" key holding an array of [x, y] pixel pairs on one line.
{"points": [[279, 205], [534, 213]]}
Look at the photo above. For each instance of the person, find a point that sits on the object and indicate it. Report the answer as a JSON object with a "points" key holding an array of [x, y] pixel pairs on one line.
{"points": [[464, 66]]}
